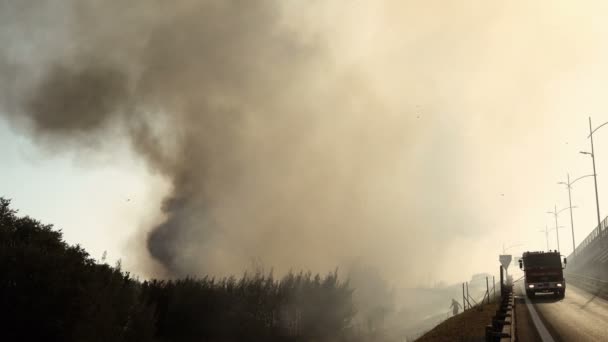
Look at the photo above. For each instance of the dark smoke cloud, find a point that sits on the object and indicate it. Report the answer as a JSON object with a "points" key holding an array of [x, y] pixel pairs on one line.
{"points": [[68, 100], [273, 153]]}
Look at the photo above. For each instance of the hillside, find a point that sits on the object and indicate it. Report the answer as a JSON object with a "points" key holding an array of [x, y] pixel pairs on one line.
{"points": [[467, 326]]}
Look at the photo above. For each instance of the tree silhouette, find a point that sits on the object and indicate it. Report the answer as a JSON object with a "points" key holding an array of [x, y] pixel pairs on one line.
{"points": [[51, 291]]}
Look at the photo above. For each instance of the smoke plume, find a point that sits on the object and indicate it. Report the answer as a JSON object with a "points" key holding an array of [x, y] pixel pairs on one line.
{"points": [[297, 134], [273, 153]]}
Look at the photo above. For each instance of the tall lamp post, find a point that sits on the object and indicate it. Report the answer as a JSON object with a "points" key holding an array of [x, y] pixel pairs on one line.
{"points": [[592, 153], [555, 213], [546, 231], [568, 184]]}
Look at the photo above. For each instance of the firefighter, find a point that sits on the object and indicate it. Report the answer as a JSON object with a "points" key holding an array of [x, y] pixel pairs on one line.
{"points": [[455, 307]]}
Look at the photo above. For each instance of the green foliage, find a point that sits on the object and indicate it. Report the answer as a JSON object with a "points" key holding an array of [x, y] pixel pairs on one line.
{"points": [[298, 307], [50, 291]]}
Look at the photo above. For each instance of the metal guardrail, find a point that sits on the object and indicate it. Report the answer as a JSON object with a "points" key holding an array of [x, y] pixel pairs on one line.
{"points": [[592, 285], [502, 328]]}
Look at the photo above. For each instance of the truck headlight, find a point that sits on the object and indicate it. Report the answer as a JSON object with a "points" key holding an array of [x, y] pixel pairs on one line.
{"points": [[559, 285], [531, 286]]}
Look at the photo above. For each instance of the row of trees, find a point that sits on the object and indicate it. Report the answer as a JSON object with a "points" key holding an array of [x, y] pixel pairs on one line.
{"points": [[51, 291], [298, 307]]}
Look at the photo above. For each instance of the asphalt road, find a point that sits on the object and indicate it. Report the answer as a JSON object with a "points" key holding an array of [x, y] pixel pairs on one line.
{"points": [[580, 316]]}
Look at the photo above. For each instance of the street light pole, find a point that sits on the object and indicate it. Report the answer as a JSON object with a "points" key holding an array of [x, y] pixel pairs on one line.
{"points": [[571, 218], [555, 213], [556, 228], [569, 186], [546, 231], [597, 200]]}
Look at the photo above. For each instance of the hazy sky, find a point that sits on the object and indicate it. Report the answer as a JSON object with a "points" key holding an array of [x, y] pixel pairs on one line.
{"points": [[432, 132]]}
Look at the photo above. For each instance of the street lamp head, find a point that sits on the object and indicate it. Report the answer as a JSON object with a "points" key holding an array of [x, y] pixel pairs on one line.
{"points": [[583, 152]]}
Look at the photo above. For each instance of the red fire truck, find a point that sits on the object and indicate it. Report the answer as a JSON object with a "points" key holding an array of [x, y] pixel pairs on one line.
{"points": [[543, 273]]}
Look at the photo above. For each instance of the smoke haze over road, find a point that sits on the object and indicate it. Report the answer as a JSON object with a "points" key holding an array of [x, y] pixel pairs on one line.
{"points": [[304, 134]]}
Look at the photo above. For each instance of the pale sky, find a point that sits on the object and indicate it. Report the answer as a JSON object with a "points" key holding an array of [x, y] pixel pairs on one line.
{"points": [[99, 204]]}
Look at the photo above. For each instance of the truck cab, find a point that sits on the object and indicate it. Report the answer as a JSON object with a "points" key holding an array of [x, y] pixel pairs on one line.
{"points": [[543, 272]]}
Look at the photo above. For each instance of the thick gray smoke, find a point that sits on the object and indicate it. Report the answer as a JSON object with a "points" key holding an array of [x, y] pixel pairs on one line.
{"points": [[276, 150]]}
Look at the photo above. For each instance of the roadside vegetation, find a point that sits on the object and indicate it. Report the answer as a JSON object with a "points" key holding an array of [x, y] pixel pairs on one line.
{"points": [[51, 291]]}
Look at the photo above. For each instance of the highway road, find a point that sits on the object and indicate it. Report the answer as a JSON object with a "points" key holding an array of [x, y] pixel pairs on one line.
{"points": [[580, 316]]}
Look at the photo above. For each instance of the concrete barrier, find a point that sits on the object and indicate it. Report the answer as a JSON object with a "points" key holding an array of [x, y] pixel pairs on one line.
{"points": [[598, 287]]}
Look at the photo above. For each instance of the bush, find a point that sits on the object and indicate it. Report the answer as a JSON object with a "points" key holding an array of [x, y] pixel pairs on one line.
{"points": [[50, 291]]}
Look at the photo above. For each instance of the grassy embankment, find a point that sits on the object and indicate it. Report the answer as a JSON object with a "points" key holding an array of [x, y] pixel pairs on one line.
{"points": [[467, 326]]}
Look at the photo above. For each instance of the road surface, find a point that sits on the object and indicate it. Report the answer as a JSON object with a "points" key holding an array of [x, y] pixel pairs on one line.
{"points": [[580, 316]]}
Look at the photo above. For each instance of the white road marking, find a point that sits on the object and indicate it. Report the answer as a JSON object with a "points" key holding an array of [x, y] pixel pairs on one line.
{"points": [[540, 327]]}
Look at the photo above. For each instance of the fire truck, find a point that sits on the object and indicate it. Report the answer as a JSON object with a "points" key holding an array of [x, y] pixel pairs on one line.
{"points": [[543, 273]]}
